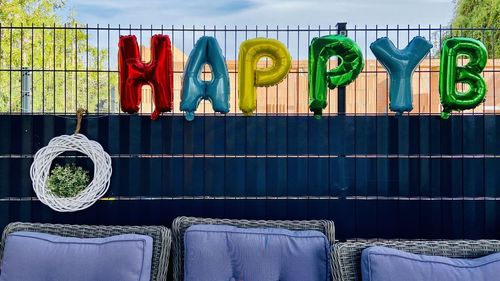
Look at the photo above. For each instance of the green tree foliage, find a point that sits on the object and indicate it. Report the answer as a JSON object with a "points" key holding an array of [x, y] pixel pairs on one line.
{"points": [[477, 14], [65, 63]]}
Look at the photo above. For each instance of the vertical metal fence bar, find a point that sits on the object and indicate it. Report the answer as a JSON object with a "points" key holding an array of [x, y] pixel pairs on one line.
{"points": [[430, 76], [330, 188], [54, 68], [266, 88], [86, 68], [65, 69], [419, 69], [151, 56], [1, 56], [430, 133], [173, 54], [109, 70], [204, 78], [204, 125], [286, 164], [485, 179], [377, 187], [98, 70], [462, 164], [225, 181], [461, 58], [183, 67], [31, 70], [356, 187], [76, 68], [354, 83], [307, 131], [287, 77], [366, 70], [428, 163], [297, 100], [386, 80], [278, 105], [245, 137], [494, 30], [119, 106], [10, 70], [328, 96], [170, 149], [341, 91], [235, 70], [43, 68], [21, 41], [141, 54]]}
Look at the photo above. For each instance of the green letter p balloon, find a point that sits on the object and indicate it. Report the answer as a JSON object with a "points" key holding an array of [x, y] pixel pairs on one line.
{"points": [[450, 74], [320, 51]]}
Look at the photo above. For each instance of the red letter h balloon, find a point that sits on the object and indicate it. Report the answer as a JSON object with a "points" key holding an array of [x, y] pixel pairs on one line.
{"points": [[134, 73]]}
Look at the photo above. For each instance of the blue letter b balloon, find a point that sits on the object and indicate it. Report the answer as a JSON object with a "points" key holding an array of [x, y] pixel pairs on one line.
{"points": [[400, 65], [205, 51]]}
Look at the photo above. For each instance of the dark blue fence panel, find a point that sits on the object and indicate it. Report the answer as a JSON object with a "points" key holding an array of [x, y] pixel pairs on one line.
{"points": [[375, 176]]}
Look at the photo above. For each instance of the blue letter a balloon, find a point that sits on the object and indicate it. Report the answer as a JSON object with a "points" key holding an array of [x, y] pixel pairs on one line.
{"points": [[400, 64], [205, 51]]}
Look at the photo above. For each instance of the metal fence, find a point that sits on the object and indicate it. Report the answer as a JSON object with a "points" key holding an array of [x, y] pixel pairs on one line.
{"points": [[66, 67], [375, 175]]}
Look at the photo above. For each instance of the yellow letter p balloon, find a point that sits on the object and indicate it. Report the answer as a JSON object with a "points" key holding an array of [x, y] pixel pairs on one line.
{"points": [[250, 77]]}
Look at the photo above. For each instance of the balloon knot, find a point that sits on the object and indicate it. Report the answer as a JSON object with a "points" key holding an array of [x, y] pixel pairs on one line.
{"points": [[445, 115], [189, 115], [155, 115]]}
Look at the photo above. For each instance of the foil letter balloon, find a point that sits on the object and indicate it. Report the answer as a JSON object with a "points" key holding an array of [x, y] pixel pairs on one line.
{"points": [[320, 51], [206, 51], [250, 77], [400, 65], [450, 74], [134, 73]]}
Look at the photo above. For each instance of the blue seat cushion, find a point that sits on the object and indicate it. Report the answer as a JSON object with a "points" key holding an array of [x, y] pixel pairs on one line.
{"points": [[386, 264], [228, 253], [32, 256]]}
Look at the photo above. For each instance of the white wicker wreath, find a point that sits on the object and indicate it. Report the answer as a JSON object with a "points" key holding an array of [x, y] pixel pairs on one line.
{"points": [[40, 171]]}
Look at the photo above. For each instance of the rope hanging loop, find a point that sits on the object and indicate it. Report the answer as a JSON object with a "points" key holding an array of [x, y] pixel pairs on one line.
{"points": [[80, 112]]}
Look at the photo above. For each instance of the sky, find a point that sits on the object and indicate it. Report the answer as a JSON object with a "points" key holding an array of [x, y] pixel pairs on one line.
{"points": [[262, 12]]}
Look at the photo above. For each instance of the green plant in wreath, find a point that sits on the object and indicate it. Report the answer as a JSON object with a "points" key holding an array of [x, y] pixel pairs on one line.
{"points": [[68, 180]]}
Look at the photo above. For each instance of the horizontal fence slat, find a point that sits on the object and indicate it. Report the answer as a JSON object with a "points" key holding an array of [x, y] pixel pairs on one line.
{"points": [[363, 219], [292, 135]]}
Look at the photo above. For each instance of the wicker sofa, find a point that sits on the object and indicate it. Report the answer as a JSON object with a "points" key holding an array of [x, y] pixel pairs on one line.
{"points": [[161, 239], [346, 256], [180, 225]]}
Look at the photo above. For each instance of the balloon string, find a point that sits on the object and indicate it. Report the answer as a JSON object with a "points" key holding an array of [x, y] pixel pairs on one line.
{"points": [[79, 116]]}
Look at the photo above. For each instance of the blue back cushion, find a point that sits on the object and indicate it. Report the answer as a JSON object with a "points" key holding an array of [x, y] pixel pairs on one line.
{"points": [[30, 256], [385, 264], [227, 253]]}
